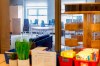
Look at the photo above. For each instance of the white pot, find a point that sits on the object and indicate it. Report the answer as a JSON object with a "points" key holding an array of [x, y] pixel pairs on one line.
{"points": [[23, 62], [13, 62]]}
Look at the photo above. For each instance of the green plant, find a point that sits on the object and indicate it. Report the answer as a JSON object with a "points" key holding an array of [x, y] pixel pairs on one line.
{"points": [[13, 56], [22, 49]]}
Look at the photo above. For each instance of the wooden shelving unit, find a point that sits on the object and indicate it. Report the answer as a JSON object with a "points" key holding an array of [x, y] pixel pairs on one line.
{"points": [[95, 29], [93, 9], [82, 12]]}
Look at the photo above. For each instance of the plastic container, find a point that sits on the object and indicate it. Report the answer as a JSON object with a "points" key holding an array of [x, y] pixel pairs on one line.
{"points": [[85, 63], [66, 61], [7, 54], [68, 54]]}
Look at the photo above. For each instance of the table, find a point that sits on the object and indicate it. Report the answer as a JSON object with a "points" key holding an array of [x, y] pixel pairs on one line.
{"points": [[2, 60], [3, 63], [42, 30]]}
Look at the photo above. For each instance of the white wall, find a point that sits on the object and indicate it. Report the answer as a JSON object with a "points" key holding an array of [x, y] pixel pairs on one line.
{"points": [[36, 2], [13, 14], [17, 12], [51, 9], [21, 16]]}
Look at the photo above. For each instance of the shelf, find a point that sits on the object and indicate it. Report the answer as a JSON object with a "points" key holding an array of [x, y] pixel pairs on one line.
{"points": [[82, 12], [81, 3], [88, 10], [77, 26], [82, 8], [95, 44], [95, 27]]}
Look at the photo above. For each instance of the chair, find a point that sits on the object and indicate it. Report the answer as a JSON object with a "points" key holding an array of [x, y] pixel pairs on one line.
{"points": [[42, 23], [36, 22], [26, 25], [7, 54], [53, 22], [50, 22]]}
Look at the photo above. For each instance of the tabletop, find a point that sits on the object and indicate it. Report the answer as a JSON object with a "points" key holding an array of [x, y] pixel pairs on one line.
{"points": [[42, 27], [2, 60], [3, 63]]}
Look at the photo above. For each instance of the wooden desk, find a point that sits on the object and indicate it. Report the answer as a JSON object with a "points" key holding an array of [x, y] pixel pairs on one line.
{"points": [[2, 60], [43, 30], [3, 63]]}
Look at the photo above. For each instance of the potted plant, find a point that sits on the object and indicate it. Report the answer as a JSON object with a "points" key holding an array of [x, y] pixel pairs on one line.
{"points": [[13, 60], [23, 50]]}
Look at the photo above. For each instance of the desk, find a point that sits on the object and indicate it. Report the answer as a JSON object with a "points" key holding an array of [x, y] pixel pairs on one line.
{"points": [[42, 30], [2, 60], [3, 63]]}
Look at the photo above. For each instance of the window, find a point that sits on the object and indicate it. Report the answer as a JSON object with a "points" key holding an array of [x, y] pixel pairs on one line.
{"points": [[36, 9], [32, 12], [39, 13]]}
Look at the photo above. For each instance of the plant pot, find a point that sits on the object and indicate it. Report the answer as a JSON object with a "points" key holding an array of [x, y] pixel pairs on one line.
{"points": [[23, 62], [13, 62]]}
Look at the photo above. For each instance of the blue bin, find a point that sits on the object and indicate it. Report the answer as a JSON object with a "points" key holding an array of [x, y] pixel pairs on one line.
{"points": [[7, 55]]}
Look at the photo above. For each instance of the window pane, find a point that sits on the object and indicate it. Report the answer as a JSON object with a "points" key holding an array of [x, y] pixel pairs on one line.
{"points": [[32, 18], [32, 12], [42, 11]]}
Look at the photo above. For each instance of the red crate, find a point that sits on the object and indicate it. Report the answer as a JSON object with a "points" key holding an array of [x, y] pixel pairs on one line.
{"points": [[66, 61], [85, 63]]}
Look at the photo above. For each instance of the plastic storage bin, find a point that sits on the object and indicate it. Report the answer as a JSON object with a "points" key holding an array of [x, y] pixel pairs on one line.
{"points": [[85, 63], [66, 61], [68, 54], [7, 54]]}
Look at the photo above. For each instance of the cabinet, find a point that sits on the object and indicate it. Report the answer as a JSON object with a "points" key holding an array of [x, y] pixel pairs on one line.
{"points": [[90, 28]]}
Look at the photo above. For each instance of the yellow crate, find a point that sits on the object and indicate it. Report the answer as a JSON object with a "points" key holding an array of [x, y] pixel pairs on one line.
{"points": [[68, 54]]}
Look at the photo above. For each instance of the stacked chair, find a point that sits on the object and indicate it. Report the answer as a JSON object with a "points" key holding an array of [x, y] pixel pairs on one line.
{"points": [[26, 26]]}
